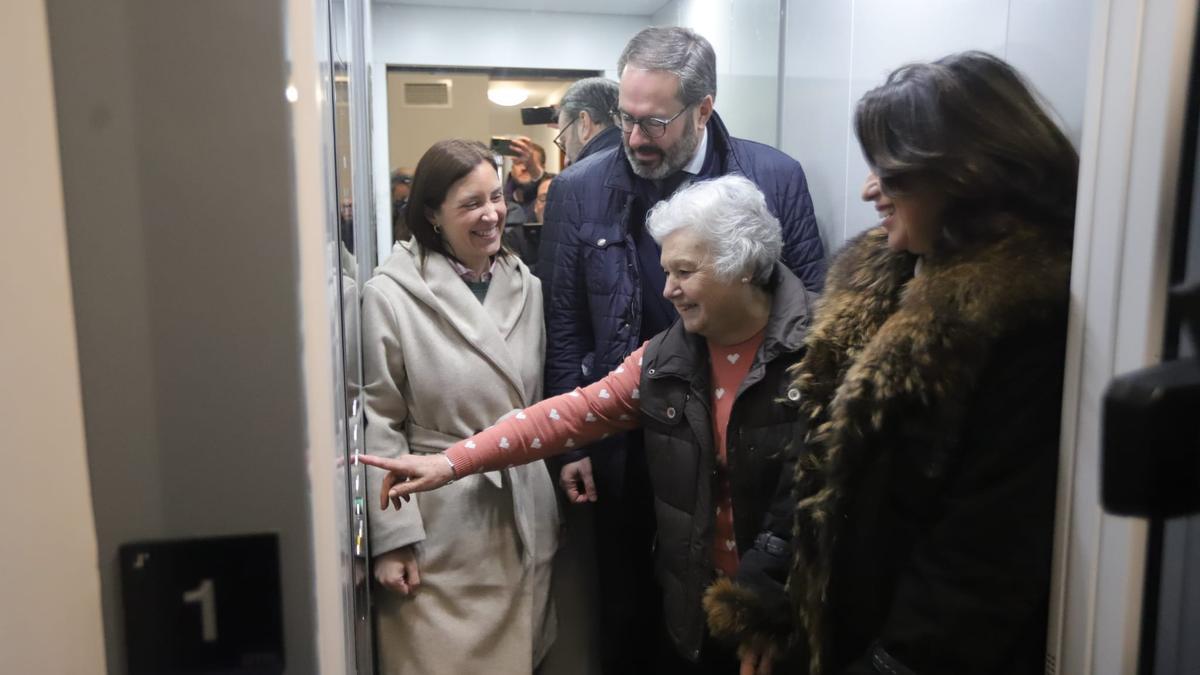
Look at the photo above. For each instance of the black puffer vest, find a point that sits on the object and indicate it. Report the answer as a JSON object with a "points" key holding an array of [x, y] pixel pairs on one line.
{"points": [[764, 428]]}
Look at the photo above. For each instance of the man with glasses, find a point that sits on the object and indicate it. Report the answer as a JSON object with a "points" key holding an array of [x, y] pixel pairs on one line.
{"points": [[603, 284], [585, 119]]}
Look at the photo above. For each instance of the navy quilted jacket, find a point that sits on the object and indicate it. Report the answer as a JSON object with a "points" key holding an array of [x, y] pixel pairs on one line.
{"points": [[589, 267]]}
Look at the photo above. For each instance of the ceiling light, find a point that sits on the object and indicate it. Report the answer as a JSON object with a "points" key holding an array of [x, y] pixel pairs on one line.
{"points": [[507, 96]]}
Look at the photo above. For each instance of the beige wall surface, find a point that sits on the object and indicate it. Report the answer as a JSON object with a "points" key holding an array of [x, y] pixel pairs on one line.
{"points": [[414, 129], [50, 588]]}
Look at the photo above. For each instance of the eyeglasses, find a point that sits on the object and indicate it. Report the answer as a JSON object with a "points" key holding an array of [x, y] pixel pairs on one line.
{"points": [[558, 141], [653, 127]]}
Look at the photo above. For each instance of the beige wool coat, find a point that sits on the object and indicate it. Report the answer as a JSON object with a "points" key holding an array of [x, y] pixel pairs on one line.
{"points": [[438, 367]]}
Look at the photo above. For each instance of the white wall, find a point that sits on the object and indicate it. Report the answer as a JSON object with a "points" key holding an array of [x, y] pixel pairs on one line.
{"points": [[745, 36], [835, 51], [50, 589], [447, 36]]}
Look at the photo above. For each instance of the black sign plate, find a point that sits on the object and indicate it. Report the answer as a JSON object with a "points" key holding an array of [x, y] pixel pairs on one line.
{"points": [[210, 606]]}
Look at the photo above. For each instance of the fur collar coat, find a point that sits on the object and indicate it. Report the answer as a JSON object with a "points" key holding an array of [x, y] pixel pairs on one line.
{"points": [[926, 484]]}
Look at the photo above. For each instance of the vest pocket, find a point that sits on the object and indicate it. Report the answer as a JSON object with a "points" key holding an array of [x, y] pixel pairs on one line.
{"points": [[664, 411], [670, 448]]}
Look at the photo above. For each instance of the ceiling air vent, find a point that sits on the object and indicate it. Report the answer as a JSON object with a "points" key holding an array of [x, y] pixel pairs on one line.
{"points": [[427, 94]]}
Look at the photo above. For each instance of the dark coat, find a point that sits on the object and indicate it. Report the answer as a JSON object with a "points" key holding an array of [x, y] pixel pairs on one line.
{"points": [[609, 138], [590, 269], [676, 390], [924, 527], [522, 237]]}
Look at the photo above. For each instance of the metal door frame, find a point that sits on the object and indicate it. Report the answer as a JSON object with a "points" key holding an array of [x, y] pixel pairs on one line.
{"points": [[1129, 167]]}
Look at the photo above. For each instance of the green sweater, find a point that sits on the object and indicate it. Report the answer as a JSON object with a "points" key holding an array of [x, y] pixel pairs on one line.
{"points": [[479, 288]]}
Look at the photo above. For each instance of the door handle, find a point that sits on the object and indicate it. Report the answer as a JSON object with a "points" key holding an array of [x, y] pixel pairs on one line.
{"points": [[1150, 457]]}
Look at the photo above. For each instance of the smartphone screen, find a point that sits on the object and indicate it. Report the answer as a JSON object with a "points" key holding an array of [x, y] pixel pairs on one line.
{"points": [[503, 146], [546, 114]]}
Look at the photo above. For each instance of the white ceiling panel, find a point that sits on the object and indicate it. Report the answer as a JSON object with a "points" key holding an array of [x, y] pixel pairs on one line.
{"points": [[624, 7]]}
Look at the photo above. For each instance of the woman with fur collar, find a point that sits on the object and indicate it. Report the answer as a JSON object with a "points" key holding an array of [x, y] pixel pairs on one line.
{"points": [[932, 383]]}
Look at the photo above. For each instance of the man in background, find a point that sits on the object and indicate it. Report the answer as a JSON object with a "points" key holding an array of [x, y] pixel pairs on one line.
{"points": [[539, 207], [527, 172], [585, 119], [401, 184]]}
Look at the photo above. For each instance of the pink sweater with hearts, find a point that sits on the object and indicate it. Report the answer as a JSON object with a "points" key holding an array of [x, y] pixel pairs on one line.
{"points": [[603, 408]]}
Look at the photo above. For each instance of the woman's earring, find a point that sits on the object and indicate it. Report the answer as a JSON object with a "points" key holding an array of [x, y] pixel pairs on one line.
{"points": [[437, 228]]}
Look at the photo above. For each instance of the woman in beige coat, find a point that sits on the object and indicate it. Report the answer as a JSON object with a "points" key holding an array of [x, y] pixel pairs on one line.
{"points": [[452, 341]]}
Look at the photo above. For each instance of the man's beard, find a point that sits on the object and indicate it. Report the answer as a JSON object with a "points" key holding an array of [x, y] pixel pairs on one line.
{"points": [[670, 161]]}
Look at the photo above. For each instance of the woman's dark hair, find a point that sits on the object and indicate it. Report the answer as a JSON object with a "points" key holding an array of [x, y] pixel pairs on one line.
{"points": [[969, 127], [442, 165]]}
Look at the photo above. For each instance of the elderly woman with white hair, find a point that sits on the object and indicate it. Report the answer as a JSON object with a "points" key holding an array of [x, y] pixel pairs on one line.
{"points": [[712, 395]]}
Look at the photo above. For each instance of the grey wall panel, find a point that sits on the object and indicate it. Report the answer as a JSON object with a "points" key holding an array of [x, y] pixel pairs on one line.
{"points": [[816, 98], [835, 51], [179, 201]]}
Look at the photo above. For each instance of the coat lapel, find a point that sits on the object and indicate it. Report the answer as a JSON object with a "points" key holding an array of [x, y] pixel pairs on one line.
{"points": [[506, 297], [487, 326]]}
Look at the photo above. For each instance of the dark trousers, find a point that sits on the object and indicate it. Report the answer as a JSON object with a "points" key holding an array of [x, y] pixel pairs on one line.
{"points": [[630, 601], [715, 659]]}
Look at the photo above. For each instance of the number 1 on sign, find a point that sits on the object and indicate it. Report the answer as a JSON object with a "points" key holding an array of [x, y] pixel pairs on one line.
{"points": [[206, 597]]}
